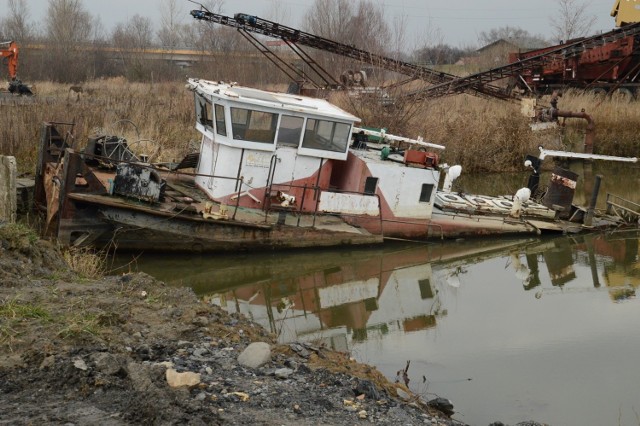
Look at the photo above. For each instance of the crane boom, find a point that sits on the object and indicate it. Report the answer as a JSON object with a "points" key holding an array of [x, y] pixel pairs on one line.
{"points": [[442, 84], [254, 24], [562, 52]]}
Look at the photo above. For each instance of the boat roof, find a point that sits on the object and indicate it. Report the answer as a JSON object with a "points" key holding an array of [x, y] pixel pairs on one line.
{"points": [[282, 101]]}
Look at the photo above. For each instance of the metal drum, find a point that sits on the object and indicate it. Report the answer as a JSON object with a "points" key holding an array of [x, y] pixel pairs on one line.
{"points": [[562, 187]]}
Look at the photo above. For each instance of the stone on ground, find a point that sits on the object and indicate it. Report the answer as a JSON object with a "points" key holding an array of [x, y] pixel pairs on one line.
{"points": [[176, 380], [255, 355]]}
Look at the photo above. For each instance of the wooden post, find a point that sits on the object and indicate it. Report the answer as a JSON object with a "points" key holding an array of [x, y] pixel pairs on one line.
{"points": [[588, 220], [8, 199]]}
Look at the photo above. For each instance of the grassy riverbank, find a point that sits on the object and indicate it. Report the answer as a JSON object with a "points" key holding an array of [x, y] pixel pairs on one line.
{"points": [[107, 351], [481, 135]]}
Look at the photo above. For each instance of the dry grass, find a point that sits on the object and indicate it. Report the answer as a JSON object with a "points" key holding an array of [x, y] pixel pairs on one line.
{"points": [[481, 135], [491, 135], [617, 122], [86, 262], [162, 112]]}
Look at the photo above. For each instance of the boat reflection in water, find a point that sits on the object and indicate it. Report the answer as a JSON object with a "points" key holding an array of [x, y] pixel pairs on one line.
{"points": [[339, 296], [501, 327], [613, 261]]}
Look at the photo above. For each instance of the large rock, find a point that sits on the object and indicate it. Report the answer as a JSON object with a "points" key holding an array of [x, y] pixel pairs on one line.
{"points": [[442, 404], [255, 355], [177, 380]]}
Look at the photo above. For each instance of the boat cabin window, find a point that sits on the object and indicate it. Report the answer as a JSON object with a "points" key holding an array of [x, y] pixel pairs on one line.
{"points": [[370, 185], [204, 111], [221, 125], [425, 193], [253, 126], [326, 135], [290, 130]]}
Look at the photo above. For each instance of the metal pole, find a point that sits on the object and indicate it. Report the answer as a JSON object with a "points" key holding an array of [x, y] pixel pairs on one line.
{"points": [[588, 220]]}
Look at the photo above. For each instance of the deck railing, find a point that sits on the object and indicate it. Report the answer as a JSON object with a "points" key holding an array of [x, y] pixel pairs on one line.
{"points": [[622, 208], [299, 210]]}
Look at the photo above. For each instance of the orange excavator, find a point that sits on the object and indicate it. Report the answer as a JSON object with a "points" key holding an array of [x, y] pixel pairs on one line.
{"points": [[10, 50]]}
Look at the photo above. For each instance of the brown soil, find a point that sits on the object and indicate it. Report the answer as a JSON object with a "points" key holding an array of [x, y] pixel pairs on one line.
{"points": [[78, 351]]}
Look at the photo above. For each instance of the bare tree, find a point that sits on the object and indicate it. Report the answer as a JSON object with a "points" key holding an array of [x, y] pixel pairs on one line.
{"points": [[399, 36], [67, 23], [571, 20], [430, 35], [498, 43], [17, 25], [279, 12], [439, 54], [368, 29], [69, 29], [170, 24], [133, 39], [214, 6], [210, 37], [101, 61], [515, 35], [329, 18], [226, 55], [359, 24]]}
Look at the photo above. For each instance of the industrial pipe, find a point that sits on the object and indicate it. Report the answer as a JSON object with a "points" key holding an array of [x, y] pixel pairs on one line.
{"points": [[589, 135]]}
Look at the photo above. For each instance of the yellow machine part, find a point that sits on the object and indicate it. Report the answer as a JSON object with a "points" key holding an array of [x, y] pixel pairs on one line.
{"points": [[626, 12]]}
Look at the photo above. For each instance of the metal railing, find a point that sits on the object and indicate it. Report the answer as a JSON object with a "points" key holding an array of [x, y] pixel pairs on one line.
{"points": [[299, 209], [622, 208]]}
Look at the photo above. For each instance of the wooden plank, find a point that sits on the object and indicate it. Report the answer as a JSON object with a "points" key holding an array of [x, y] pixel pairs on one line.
{"points": [[123, 204]]}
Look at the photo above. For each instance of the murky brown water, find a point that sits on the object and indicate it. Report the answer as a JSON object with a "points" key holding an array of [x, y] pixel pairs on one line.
{"points": [[511, 329]]}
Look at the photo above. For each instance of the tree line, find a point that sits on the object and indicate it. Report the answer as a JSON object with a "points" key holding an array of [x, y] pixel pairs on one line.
{"points": [[73, 36]]}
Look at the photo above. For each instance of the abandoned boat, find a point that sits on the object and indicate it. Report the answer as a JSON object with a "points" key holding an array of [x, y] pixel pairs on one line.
{"points": [[285, 171]]}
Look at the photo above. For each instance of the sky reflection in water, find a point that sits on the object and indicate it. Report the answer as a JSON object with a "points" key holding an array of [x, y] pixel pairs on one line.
{"points": [[510, 330]]}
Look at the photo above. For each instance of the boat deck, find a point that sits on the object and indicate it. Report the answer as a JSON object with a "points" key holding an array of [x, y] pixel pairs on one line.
{"points": [[184, 184]]}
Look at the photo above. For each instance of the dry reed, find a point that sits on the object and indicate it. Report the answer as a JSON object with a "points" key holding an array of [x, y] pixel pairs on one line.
{"points": [[481, 135], [493, 136], [617, 122], [162, 113], [85, 261]]}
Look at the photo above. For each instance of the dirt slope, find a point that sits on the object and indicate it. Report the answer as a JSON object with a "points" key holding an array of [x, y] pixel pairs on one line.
{"points": [[78, 351]]}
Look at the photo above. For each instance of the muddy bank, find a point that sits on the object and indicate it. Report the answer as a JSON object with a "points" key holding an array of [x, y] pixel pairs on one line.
{"points": [[129, 349]]}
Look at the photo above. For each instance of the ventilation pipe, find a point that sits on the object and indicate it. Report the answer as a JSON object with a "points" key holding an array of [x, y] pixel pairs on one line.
{"points": [[453, 173], [521, 197]]}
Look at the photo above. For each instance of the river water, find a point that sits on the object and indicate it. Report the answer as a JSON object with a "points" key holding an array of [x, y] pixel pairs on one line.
{"points": [[509, 329]]}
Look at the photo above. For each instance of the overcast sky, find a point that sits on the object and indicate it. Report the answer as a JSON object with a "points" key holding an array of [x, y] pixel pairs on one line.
{"points": [[459, 21]]}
